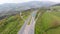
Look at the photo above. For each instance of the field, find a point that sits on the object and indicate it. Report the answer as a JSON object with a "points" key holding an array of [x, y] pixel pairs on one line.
{"points": [[48, 23]]}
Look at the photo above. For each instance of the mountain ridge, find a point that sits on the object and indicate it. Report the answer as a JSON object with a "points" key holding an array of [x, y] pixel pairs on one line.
{"points": [[16, 7]]}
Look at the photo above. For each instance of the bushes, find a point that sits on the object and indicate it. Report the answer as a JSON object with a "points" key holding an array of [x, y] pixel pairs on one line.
{"points": [[11, 25]]}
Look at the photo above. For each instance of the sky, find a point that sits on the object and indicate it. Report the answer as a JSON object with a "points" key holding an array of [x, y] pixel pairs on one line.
{"points": [[21, 1]]}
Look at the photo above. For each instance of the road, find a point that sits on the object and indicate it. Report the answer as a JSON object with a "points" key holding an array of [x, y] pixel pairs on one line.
{"points": [[28, 29]]}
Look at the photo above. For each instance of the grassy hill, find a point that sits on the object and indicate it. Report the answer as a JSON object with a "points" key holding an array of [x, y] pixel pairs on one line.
{"points": [[48, 22], [12, 23]]}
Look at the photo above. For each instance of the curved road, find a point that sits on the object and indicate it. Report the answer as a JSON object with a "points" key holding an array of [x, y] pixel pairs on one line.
{"points": [[28, 29]]}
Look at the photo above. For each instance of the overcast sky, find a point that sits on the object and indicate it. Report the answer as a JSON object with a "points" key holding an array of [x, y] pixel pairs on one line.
{"points": [[21, 1]]}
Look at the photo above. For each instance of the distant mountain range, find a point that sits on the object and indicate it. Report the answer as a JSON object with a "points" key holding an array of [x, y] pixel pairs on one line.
{"points": [[24, 6], [12, 7], [57, 4]]}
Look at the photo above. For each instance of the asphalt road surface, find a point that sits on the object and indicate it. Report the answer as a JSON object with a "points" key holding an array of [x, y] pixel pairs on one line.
{"points": [[28, 29]]}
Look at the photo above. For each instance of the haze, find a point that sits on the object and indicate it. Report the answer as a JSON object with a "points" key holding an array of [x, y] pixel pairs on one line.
{"points": [[21, 1]]}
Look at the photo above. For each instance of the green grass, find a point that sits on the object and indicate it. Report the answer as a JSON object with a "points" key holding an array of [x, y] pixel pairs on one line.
{"points": [[47, 23], [11, 25], [25, 14], [54, 24], [29, 21]]}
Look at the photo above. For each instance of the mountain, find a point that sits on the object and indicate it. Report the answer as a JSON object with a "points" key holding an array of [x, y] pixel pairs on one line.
{"points": [[57, 4], [13, 7], [24, 6]]}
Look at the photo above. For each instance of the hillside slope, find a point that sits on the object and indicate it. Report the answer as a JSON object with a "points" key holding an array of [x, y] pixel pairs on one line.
{"points": [[48, 22]]}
